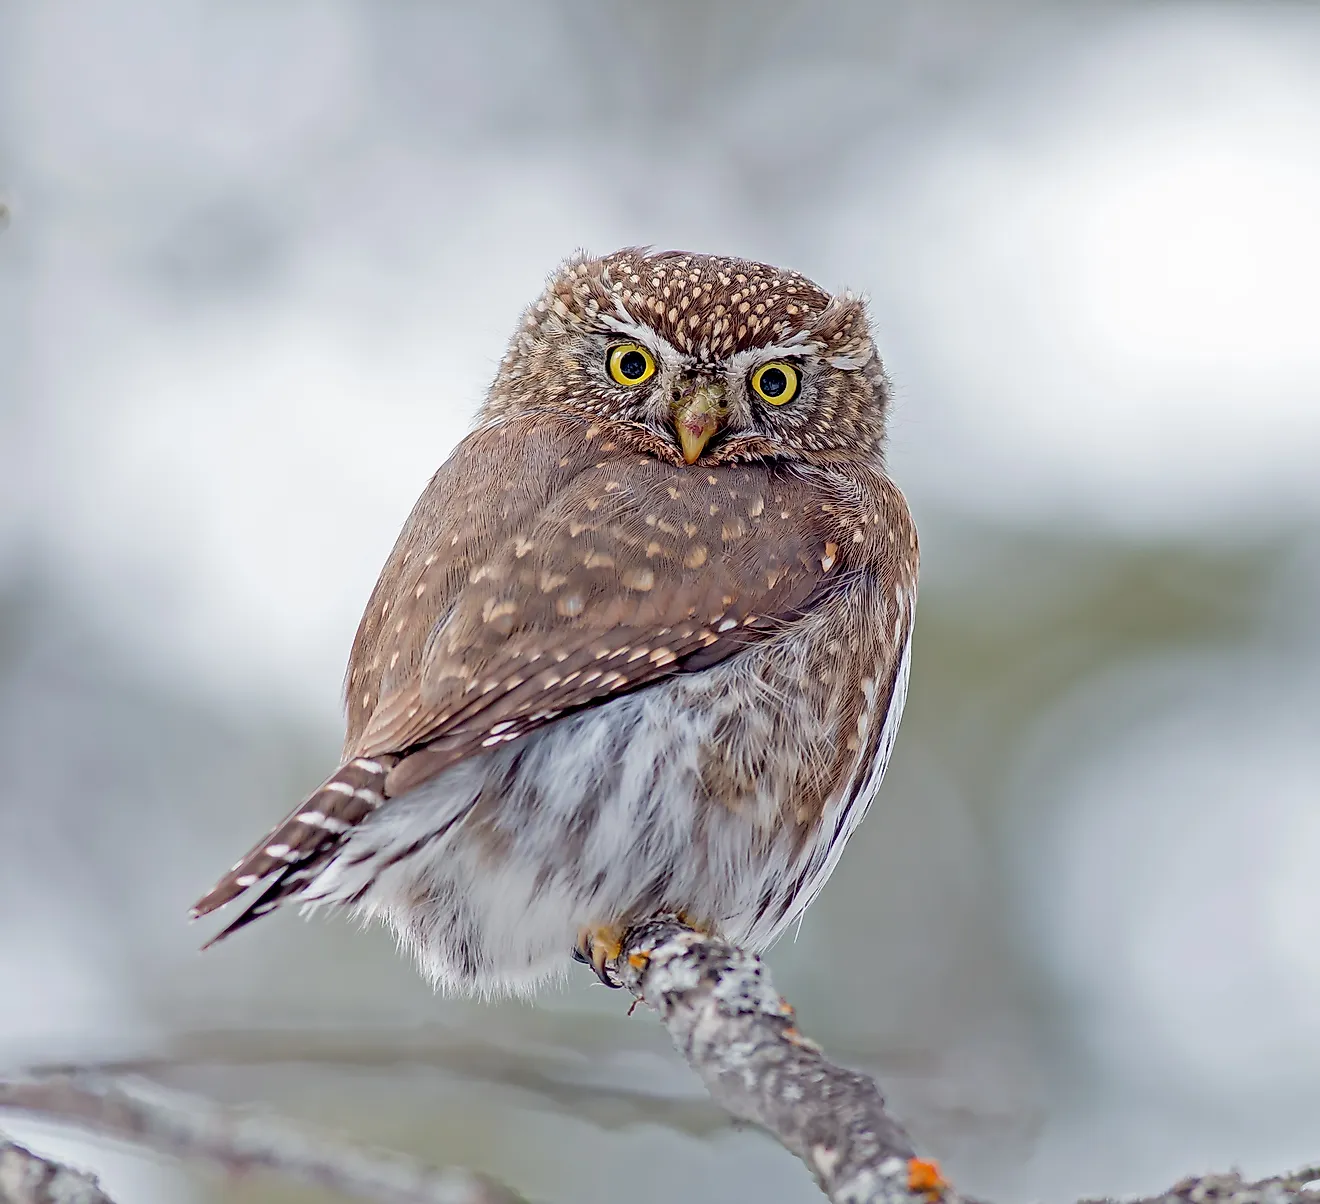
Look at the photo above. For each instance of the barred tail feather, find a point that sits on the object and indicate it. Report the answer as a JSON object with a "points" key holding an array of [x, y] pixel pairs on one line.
{"points": [[302, 844]]}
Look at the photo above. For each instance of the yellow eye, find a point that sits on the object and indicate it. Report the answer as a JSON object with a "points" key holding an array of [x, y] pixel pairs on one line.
{"points": [[630, 364], [776, 382]]}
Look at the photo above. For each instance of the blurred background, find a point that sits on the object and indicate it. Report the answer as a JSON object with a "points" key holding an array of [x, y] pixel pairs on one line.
{"points": [[260, 262]]}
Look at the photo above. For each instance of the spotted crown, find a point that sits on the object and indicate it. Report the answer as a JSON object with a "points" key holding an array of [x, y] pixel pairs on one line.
{"points": [[715, 312]]}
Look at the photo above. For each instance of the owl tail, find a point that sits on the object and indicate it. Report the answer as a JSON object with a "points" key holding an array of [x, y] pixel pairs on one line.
{"points": [[302, 844]]}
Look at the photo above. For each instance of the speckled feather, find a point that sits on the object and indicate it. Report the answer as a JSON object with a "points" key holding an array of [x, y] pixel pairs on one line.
{"points": [[565, 558]]}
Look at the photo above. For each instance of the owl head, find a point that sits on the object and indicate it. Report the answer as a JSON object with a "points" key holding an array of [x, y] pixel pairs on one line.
{"points": [[727, 359]]}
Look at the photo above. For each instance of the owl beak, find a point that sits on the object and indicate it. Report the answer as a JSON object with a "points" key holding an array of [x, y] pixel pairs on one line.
{"points": [[698, 414]]}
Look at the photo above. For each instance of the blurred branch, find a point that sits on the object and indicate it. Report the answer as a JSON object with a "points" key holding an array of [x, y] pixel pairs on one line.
{"points": [[28, 1178], [572, 1064], [568, 1082], [186, 1127]]}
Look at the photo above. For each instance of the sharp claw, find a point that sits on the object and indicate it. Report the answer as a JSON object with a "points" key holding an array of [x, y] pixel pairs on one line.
{"points": [[601, 965], [596, 947]]}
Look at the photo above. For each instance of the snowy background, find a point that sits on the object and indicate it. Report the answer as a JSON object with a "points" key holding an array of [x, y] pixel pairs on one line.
{"points": [[260, 262]]}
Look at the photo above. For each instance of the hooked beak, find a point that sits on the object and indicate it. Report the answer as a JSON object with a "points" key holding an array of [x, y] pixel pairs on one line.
{"points": [[698, 414]]}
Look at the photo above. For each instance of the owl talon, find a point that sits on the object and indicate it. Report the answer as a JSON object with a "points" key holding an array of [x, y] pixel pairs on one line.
{"points": [[597, 947]]}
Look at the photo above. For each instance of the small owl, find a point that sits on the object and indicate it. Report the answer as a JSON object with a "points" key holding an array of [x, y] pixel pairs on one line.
{"points": [[642, 645]]}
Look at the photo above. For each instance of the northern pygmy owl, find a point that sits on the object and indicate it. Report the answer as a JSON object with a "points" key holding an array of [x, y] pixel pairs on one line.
{"points": [[641, 646]]}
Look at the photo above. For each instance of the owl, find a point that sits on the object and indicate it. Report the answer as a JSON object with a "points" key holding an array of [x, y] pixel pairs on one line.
{"points": [[641, 647]]}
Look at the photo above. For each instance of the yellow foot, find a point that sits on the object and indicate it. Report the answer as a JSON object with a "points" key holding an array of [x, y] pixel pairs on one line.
{"points": [[598, 946]]}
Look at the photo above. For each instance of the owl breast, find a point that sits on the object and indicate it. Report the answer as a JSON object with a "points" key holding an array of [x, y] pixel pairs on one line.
{"points": [[725, 795]]}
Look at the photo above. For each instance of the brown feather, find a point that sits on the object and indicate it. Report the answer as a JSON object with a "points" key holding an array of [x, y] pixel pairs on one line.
{"points": [[633, 570]]}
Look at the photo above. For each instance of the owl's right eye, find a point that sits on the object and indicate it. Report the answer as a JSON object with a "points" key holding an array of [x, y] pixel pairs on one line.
{"points": [[630, 364]]}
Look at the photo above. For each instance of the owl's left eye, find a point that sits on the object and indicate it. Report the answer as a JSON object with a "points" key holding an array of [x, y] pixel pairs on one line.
{"points": [[630, 364], [776, 382]]}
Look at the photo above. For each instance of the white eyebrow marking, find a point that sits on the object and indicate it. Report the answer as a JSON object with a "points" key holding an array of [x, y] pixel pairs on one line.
{"points": [[795, 345], [662, 349]]}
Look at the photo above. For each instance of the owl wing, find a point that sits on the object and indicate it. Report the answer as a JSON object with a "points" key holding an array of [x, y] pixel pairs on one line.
{"points": [[543, 571]]}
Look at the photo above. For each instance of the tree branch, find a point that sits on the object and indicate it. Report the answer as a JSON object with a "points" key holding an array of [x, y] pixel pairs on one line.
{"points": [[28, 1178], [238, 1142], [736, 1032], [739, 1035]]}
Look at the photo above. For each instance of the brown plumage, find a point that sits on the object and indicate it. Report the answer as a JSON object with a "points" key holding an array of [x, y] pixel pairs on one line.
{"points": [[655, 607]]}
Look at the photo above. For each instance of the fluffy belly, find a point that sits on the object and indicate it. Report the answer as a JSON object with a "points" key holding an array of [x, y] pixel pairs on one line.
{"points": [[721, 796]]}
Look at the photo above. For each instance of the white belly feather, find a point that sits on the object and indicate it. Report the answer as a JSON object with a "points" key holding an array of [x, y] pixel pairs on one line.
{"points": [[488, 871]]}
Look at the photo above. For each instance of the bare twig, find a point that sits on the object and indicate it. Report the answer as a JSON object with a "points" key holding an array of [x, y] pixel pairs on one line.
{"points": [[28, 1178], [186, 1127], [736, 1032], [1233, 1189]]}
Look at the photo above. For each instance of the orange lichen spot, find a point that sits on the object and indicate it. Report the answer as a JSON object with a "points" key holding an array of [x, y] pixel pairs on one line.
{"points": [[924, 1176]]}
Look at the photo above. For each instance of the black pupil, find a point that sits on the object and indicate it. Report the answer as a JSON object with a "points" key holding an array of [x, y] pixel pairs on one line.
{"points": [[773, 382], [632, 364]]}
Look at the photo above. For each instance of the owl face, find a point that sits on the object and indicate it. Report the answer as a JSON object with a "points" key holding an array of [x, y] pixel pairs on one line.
{"points": [[726, 359]]}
